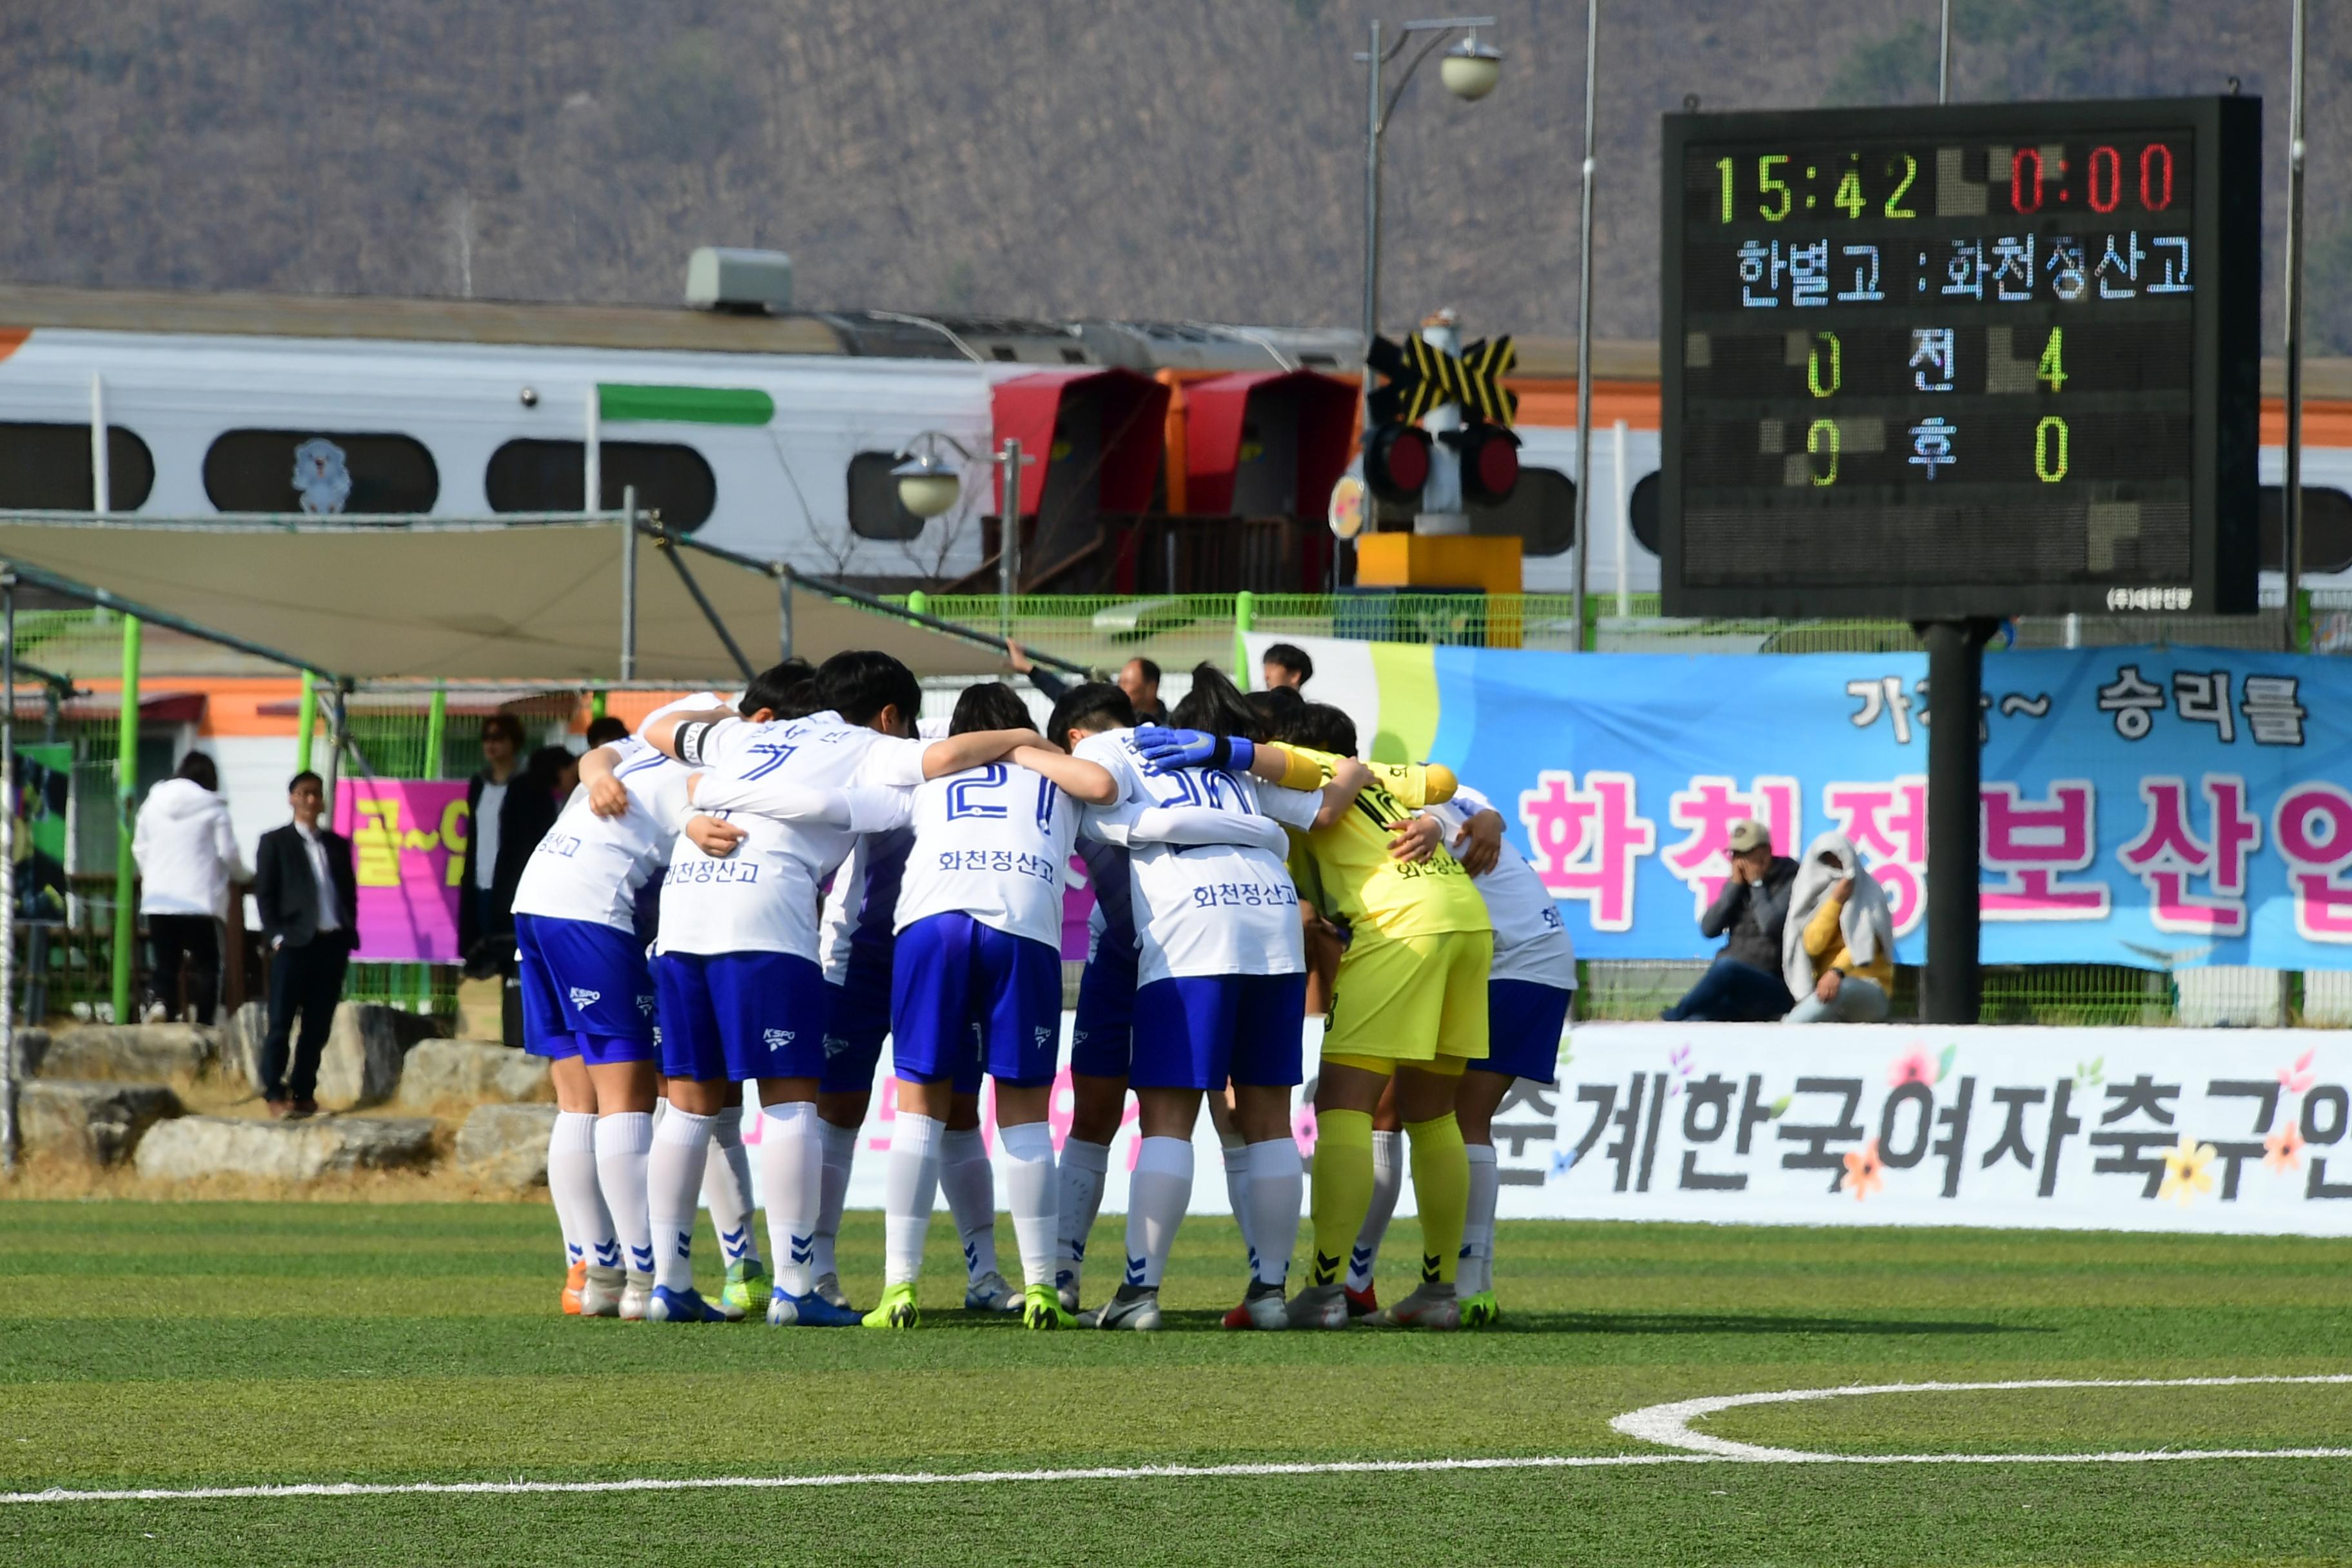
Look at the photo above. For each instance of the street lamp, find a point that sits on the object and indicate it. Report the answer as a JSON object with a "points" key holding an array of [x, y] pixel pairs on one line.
{"points": [[929, 484], [1469, 72]]}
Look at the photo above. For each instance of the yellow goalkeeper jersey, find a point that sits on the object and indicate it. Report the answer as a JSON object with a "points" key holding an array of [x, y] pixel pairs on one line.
{"points": [[1347, 872]]}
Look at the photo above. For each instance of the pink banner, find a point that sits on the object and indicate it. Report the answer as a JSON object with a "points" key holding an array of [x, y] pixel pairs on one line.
{"points": [[408, 838]]}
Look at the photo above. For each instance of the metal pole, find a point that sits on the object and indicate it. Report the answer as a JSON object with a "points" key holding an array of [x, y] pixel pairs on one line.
{"points": [[1343, 552], [1623, 497], [8, 873], [336, 730], [629, 584], [1584, 326], [1955, 681], [1944, 55], [592, 478], [2291, 513], [784, 611], [102, 489], [1008, 548], [126, 796]]}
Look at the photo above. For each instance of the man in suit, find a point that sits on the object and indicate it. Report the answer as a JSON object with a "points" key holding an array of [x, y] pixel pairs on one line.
{"points": [[308, 897]]}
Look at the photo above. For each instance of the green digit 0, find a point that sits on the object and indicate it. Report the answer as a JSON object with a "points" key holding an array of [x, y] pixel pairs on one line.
{"points": [[2043, 468], [1814, 366], [1823, 435]]}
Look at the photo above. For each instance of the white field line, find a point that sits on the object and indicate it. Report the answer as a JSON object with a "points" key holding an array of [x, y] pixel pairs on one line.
{"points": [[1658, 1422], [1669, 1425]]}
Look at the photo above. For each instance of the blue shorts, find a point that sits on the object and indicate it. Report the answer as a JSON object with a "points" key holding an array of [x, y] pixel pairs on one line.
{"points": [[585, 991], [854, 1027], [1101, 1037], [966, 997], [740, 1015], [1524, 1020], [1197, 1030]]}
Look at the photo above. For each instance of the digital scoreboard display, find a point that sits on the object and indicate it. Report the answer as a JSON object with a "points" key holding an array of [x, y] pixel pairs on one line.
{"points": [[1982, 360]]}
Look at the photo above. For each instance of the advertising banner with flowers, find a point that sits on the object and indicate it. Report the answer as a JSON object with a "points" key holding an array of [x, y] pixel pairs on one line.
{"points": [[2177, 1130]]}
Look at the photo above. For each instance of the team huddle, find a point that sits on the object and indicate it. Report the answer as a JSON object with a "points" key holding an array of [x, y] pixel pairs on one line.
{"points": [[766, 892]]}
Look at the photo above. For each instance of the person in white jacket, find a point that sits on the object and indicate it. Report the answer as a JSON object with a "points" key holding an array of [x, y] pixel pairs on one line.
{"points": [[187, 859]]}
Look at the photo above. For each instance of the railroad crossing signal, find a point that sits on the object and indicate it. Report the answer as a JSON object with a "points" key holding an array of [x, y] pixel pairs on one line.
{"points": [[1421, 376]]}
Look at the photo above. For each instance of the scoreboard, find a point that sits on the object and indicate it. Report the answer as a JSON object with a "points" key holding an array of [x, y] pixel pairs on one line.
{"points": [[1954, 362]]}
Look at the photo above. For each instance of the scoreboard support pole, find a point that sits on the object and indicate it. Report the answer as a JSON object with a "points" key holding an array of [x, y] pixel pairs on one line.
{"points": [[1955, 776]]}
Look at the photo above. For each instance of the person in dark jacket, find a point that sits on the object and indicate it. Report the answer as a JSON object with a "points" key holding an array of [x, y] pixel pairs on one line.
{"points": [[304, 885], [1744, 985], [511, 809]]}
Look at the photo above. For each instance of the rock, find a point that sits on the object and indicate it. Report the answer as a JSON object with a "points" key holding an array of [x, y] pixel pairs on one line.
{"points": [[32, 1046], [437, 1070], [241, 1040], [361, 1065], [507, 1144], [197, 1146], [136, 1052], [96, 1122]]}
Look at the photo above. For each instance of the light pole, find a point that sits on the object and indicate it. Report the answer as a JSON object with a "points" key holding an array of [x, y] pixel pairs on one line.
{"points": [[1469, 71], [929, 484]]}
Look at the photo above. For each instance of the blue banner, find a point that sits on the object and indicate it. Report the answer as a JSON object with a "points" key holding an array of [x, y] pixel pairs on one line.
{"points": [[2140, 807]]}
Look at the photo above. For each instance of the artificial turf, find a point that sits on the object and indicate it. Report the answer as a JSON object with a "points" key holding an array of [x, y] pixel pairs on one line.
{"points": [[202, 1346]]}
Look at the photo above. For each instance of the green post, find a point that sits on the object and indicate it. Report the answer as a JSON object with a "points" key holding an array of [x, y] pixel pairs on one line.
{"points": [[126, 785], [595, 705], [306, 721], [2301, 614], [920, 602], [437, 729], [1245, 620]]}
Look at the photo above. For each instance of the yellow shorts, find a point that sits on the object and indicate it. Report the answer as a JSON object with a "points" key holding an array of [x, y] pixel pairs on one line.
{"points": [[1412, 998]]}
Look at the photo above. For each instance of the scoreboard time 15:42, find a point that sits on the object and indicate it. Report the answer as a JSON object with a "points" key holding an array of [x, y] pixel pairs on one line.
{"points": [[1987, 359]]}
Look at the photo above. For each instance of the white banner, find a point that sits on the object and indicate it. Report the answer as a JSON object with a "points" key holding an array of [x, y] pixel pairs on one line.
{"points": [[2239, 1131]]}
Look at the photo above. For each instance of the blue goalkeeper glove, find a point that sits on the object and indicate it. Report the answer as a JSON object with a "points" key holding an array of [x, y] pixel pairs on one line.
{"points": [[1165, 750]]}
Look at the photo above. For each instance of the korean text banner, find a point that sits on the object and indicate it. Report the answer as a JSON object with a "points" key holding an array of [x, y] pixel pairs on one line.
{"points": [[408, 839], [2140, 807]]}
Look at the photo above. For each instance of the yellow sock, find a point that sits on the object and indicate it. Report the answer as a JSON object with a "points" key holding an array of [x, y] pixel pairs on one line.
{"points": [[1441, 1186], [1343, 1188]]}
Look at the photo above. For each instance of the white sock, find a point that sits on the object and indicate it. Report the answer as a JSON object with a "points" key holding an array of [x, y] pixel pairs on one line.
{"points": [[840, 1152], [673, 1178], [1278, 1190], [622, 1144], [907, 1194], [1388, 1175], [571, 1183], [969, 1183], [727, 1189], [791, 1169], [1477, 1271], [1029, 1192], [1081, 1177], [1157, 1195], [1237, 1191]]}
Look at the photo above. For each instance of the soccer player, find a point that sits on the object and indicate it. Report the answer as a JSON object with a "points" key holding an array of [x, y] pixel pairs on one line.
{"points": [[855, 947], [976, 985], [1410, 1002], [1101, 1036], [1528, 992], [1222, 984], [588, 1007], [742, 999]]}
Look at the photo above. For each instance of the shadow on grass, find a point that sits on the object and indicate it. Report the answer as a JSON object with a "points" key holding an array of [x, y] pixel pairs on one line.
{"points": [[1189, 1321]]}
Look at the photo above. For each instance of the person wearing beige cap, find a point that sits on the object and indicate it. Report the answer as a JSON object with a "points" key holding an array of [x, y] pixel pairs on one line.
{"points": [[1744, 983]]}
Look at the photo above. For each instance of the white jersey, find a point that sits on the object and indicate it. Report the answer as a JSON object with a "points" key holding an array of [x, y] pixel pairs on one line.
{"points": [[1530, 942], [589, 868], [993, 842], [1202, 908], [763, 897]]}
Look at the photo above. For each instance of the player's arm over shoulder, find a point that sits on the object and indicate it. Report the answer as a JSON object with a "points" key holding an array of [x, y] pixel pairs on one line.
{"points": [[1416, 785]]}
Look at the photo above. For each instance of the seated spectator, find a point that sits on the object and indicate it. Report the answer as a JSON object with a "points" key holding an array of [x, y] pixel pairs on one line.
{"points": [[1744, 985], [1838, 944], [1286, 664]]}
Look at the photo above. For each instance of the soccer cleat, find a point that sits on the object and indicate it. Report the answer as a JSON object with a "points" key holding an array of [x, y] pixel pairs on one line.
{"points": [[1262, 1308], [687, 1306], [1319, 1307], [747, 1289], [829, 1287], [1425, 1309], [636, 1296], [1135, 1307], [896, 1309], [992, 1292], [1362, 1304], [574, 1279], [1481, 1311], [1066, 1288], [601, 1292], [809, 1311], [1041, 1308]]}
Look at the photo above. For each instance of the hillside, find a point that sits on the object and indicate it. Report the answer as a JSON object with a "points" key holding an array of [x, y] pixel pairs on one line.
{"points": [[1118, 157]]}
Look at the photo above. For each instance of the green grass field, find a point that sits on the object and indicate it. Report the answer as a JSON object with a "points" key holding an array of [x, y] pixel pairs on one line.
{"points": [[152, 1345]]}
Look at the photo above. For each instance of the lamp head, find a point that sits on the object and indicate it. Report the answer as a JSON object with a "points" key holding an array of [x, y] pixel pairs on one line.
{"points": [[928, 484], [1471, 68]]}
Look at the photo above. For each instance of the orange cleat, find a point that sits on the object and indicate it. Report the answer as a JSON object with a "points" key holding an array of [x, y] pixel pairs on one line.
{"points": [[574, 1279]]}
